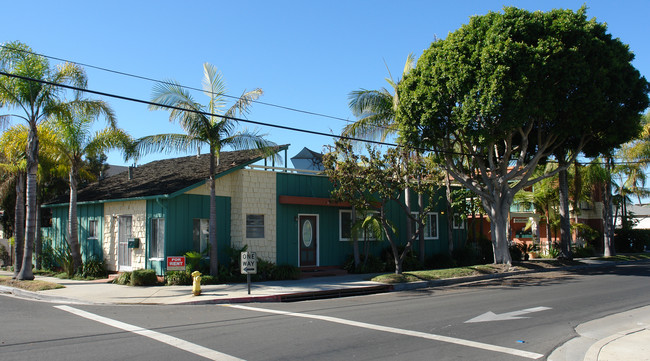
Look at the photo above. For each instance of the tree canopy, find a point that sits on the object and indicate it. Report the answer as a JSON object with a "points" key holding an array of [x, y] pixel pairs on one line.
{"points": [[508, 90]]}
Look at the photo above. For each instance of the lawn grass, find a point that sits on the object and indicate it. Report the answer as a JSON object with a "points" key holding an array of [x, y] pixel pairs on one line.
{"points": [[34, 285], [438, 274], [627, 257]]}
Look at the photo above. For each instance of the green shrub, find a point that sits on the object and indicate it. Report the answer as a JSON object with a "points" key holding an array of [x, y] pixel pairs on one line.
{"points": [[178, 278], [466, 256], [631, 240], [124, 278], [485, 251], [586, 251], [4, 256], [515, 252], [370, 264], [286, 272], [410, 262], [64, 259], [144, 277], [440, 261], [207, 280], [553, 251], [193, 261], [265, 271], [94, 267]]}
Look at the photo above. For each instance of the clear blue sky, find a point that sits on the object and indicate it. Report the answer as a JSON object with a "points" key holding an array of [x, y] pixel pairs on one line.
{"points": [[304, 54]]}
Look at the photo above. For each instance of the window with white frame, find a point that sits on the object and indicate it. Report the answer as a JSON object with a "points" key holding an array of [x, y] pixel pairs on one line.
{"points": [[92, 229], [157, 246], [430, 225], [200, 233], [346, 224], [254, 226], [459, 222]]}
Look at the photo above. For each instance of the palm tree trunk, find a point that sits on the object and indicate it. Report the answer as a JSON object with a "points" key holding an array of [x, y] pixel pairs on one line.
{"points": [[421, 233], [30, 224], [73, 234], [19, 226], [212, 223]]}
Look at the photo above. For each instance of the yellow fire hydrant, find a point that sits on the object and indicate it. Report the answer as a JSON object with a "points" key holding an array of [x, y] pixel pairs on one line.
{"points": [[196, 285]]}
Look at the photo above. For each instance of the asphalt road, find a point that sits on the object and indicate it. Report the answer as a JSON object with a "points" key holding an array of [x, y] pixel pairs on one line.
{"points": [[531, 316]]}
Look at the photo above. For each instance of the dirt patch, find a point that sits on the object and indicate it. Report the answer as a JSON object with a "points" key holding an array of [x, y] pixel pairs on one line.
{"points": [[33, 286]]}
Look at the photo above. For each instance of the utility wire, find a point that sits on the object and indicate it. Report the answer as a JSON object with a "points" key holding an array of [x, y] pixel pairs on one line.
{"points": [[182, 86], [284, 127], [136, 100]]}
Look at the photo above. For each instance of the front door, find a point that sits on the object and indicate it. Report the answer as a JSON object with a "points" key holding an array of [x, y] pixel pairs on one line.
{"points": [[123, 235], [308, 240]]}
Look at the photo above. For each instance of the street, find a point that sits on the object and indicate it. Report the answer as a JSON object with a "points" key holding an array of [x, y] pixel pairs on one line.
{"points": [[519, 318]]}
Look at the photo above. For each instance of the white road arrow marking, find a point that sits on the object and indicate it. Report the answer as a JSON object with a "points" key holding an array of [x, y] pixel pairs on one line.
{"points": [[514, 315]]}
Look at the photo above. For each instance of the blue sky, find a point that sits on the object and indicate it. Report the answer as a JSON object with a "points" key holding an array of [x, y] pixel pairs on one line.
{"points": [[304, 54]]}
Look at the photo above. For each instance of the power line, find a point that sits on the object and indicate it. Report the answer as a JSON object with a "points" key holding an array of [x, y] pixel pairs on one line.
{"points": [[136, 100], [182, 86]]}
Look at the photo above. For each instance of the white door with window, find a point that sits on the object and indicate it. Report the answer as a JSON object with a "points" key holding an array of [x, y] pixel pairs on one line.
{"points": [[123, 250]]}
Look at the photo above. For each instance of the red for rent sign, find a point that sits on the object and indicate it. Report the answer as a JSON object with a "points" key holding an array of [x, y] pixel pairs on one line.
{"points": [[176, 263]]}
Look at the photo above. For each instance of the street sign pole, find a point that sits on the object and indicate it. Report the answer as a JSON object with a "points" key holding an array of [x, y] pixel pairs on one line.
{"points": [[248, 266]]}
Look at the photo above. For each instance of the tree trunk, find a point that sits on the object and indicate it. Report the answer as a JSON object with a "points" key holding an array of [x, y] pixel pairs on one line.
{"points": [[565, 221], [73, 225], [355, 241], [26, 272], [19, 226], [498, 212], [38, 245], [549, 241], [212, 223], [450, 215], [421, 247], [608, 226]]}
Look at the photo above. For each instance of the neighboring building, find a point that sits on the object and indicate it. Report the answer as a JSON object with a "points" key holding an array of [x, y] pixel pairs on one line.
{"points": [[136, 219]]}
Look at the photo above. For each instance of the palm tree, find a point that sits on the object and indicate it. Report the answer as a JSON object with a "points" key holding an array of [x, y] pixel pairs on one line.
{"points": [[204, 125], [35, 101], [74, 141], [376, 109], [12, 150]]}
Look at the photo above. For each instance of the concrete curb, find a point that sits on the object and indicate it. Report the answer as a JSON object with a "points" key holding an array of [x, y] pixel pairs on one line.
{"points": [[594, 351], [20, 293]]}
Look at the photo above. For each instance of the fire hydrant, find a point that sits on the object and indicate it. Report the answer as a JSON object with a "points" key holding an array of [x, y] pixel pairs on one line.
{"points": [[196, 284]]}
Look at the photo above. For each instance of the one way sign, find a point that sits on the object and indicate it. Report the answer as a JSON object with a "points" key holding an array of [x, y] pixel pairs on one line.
{"points": [[248, 264]]}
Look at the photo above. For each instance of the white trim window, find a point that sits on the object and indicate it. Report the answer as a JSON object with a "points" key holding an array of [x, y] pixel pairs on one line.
{"points": [[157, 249], [254, 226], [430, 225], [459, 222], [200, 233], [345, 226], [92, 229]]}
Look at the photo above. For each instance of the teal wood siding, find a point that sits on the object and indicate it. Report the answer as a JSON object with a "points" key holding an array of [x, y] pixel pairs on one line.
{"points": [[333, 251], [56, 235], [179, 213]]}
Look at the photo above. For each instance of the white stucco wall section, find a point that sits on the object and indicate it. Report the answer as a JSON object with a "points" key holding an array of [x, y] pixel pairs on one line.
{"points": [[112, 210], [250, 192]]}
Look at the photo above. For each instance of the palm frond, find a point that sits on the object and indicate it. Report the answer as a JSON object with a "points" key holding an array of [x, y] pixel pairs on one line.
{"points": [[166, 143], [214, 87], [243, 103]]}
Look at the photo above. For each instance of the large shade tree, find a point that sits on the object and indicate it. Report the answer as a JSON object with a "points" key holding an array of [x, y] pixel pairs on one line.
{"points": [[213, 124], [74, 142], [497, 96], [33, 101]]}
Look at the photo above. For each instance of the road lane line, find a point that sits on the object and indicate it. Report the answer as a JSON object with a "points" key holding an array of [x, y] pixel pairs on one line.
{"points": [[160, 337], [430, 336]]}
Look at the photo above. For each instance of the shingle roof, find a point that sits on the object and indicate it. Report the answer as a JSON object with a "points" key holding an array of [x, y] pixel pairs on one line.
{"points": [[162, 177]]}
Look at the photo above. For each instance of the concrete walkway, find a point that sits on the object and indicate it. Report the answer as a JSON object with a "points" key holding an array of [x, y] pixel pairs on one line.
{"points": [[624, 336]]}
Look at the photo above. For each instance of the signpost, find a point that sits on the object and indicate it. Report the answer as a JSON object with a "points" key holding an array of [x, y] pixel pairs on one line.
{"points": [[248, 266], [176, 263]]}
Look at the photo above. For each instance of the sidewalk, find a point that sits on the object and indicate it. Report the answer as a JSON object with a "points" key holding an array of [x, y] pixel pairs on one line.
{"points": [[624, 336]]}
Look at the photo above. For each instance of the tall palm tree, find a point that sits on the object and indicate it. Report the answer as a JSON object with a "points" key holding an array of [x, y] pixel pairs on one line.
{"points": [[212, 125], [376, 109], [34, 101], [12, 151], [75, 140]]}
